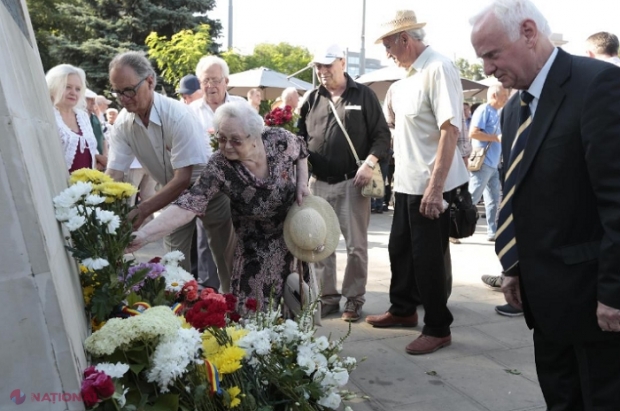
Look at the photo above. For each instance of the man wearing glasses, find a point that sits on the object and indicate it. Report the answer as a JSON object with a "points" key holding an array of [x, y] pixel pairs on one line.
{"points": [[212, 74], [166, 138]]}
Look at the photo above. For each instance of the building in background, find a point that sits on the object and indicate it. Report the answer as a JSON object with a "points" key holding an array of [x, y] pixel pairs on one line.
{"points": [[353, 64]]}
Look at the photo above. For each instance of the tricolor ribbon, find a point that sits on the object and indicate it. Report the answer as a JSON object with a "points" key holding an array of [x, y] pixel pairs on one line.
{"points": [[213, 377]]}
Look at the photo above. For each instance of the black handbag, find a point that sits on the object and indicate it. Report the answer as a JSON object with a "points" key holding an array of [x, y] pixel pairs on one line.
{"points": [[463, 214]]}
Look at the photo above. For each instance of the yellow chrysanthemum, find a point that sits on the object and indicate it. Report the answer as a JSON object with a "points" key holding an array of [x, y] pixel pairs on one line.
{"points": [[115, 191], [83, 269], [88, 294], [210, 346], [88, 175], [236, 333], [234, 396], [228, 360], [96, 325], [184, 323]]}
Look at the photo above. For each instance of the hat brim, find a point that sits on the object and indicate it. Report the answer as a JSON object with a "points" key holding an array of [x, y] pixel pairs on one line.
{"points": [[186, 91], [400, 29], [331, 221]]}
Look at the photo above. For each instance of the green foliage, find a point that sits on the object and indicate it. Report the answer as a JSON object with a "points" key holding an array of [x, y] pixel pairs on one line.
{"points": [[282, 57], [88, 33], [179, 56], [471, 71]]}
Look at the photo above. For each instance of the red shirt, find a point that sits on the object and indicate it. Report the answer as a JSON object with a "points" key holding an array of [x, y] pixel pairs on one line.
{"points": [[81, 160]]}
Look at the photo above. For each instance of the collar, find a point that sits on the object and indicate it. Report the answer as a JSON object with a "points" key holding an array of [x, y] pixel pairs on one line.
{"points": [[154, 114], [538, 83], [422, 59], [203, 102]]}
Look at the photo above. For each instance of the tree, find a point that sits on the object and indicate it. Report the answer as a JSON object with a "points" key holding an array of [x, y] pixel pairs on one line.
{"points": [[179, 56], [471, 71], [100, 29], [282, 57]]}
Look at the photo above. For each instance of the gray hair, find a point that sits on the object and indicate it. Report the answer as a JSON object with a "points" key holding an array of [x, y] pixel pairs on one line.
{"points": [[56, 79], [207, 61], [416, 34], [287, 92], [511, 13], [494, 90], [137, 61], [243, 113]]}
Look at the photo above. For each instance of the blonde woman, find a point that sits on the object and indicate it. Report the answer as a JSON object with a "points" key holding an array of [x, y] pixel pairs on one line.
{"points": [[67, 86]]}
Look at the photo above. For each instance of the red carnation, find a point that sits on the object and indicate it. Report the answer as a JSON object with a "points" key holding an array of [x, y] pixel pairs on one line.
{"points": [[205, 292], [231, 302], [208, 313], [190, 290], [155, 260], [251, 304], [234, 316]]}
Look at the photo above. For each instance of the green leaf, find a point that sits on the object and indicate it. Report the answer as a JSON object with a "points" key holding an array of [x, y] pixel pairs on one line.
{"points": [[432, 373], [165, 402], [136, 368]]}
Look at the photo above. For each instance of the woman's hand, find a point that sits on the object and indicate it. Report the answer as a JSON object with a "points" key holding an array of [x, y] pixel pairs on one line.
{"points": [[101, 162], [302, 191], [137, 243]]}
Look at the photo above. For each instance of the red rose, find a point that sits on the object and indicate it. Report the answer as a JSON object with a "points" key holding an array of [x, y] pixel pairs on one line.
{"points": [[251, 304], [90, 371], [103, 385], [155, 260], [89, 395], [234, 316], [231, 302]]}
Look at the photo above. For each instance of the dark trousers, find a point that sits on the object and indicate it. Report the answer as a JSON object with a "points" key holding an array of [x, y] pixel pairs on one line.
{"points": [[417, 247], [578, 377]]}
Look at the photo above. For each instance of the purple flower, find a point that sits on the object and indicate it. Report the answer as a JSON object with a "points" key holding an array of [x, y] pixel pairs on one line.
{"points": [[155, 271]]}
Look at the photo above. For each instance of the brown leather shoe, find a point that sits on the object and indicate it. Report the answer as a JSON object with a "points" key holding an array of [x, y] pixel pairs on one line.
{"points": [[425, 344], [389, 320]]}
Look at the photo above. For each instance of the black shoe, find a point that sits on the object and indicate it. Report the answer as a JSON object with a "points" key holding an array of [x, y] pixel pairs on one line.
{"points": [[494, 282], [385, 207], [508, 310]]}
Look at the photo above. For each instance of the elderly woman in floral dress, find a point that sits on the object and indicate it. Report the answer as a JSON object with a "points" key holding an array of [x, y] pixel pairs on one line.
{"points": [[263, 170]]}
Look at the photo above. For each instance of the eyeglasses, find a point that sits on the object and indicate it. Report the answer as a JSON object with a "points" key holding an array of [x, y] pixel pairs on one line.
{"points": [[234, 142], [212, 81], [128, 92]]}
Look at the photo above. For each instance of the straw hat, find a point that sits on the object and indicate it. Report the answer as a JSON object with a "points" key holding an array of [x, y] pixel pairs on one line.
{"points": [[311, 231], [403, 21]]}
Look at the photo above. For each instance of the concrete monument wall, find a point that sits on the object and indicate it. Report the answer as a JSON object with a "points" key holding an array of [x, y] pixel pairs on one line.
{"points": [[42, 321]]}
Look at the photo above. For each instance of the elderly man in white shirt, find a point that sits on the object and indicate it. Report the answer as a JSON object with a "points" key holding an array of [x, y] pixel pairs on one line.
{"points": [[165, 136], [428, 109]]}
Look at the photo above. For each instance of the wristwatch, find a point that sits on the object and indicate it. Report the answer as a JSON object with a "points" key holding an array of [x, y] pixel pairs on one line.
{"points": [[370, 164]]}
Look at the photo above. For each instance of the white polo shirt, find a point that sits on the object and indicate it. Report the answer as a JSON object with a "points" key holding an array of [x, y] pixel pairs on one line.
{"points": [[205, 114], [421, 104], [172, 140]]}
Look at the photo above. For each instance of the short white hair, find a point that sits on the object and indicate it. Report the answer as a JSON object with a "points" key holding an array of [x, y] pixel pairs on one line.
{"points": [[494, 89], [511, 13], [56, 79], [111, 110], [287, 92], [243, 113], [207, 61]]}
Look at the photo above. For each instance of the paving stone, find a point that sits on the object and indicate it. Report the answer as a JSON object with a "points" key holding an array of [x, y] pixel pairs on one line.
{"points": [[512, 332], [521, 359]]}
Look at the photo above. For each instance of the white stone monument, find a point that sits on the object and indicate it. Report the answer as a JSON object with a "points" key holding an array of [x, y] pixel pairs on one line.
{"points": [[42, 321]]}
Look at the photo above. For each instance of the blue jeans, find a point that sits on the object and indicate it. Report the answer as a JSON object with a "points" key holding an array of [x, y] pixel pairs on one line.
{"points": [[486, 181]]}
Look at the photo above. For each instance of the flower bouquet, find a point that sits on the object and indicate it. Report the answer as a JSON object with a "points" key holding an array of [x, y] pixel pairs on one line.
{"points": [[283, 117]]}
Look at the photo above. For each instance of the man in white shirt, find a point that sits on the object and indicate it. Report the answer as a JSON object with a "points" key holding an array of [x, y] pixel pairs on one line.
{"points": [[166, 138], [603, 46], [428, 109]]}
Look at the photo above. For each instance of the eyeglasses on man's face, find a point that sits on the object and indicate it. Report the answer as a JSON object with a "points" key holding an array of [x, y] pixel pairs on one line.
{"points": [[212, 81], [235, 142], [129, 92]]}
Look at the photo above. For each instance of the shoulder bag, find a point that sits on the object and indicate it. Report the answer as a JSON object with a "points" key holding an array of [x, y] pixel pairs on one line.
{"points": [[476, 158], [376, 186], [463, 214]]}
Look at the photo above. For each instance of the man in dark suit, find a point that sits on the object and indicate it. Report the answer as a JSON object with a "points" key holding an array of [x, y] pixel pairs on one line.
{"points": [[561, 207]]}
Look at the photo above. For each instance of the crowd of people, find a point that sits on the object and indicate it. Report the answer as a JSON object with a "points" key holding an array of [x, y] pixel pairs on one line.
{"points": [[547, 136]]}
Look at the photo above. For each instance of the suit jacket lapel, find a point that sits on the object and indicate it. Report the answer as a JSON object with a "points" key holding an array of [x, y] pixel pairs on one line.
{"points": [[548, 105]]}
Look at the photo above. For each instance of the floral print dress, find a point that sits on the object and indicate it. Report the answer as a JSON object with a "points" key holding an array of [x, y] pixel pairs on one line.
{"points": [[258, 207]]}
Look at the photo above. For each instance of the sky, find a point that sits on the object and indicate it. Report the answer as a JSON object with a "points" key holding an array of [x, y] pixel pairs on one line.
{"points": [[316, 24]]}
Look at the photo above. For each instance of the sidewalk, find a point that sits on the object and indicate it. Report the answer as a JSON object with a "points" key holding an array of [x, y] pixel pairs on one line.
{"points": [[489, 366]]}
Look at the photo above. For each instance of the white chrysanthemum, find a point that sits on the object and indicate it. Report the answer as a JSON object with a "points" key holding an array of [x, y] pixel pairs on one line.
{"points": [[95, 263], [331, 400], [114, 224], [104, 216], [94, 199], [80, 189], [113, 370], [172, 258], [75, 222], [290, 331], [65, 214], [120, 333], [65, 199], [173, 355], [176, 277]]}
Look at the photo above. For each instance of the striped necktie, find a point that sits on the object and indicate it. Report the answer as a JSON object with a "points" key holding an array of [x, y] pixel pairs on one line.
{"points": [[505, 242]]}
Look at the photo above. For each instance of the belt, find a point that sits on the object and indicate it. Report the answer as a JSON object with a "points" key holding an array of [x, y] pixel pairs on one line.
{"points": [[337, 179]]}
